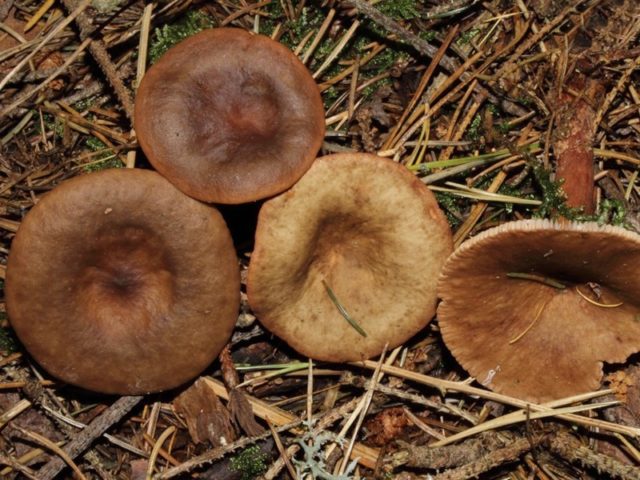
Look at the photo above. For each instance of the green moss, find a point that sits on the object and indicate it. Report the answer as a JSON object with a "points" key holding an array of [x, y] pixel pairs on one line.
{"points": [[85, 104], [466, 37], [250, 463], [428, 35], [553, 197], [51, 124], [610, 212], [309, 19], [8, 341], [167, 36], [504, 127], [386, 59], [104, 160], [399, 9], [473, 133], [449, 203], [374, 87]]}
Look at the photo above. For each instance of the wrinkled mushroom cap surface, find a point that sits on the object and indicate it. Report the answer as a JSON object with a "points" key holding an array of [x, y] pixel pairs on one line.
{"points": [[564, 339], [374, 233], [229, 117], [117, 282]]}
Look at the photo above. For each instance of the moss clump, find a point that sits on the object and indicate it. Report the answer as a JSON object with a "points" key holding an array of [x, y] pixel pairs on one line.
{"points": [[106, 159], [399, 9], [167, 36], [553, 197], [466, 37], [473, 133], [450, 205], [250, 463], [8, 342], [610, 212]]}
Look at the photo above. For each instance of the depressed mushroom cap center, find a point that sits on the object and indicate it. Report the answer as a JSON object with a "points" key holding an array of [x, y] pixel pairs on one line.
{"points": [[129, 276], [229, 117], [368, 230], [255, 113]]}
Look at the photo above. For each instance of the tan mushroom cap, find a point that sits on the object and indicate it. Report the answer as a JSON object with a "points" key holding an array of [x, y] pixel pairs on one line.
{"points": [[369, 229], [117, 282], [230, 117], [530, 340]]}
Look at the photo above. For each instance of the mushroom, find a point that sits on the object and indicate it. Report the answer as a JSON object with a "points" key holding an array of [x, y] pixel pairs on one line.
{"points": [[117, 282], [533, 308], [347, 260], [229, 117]]}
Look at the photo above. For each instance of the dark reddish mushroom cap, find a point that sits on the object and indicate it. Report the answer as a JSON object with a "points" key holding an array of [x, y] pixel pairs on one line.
{"points": [[119, 283], [527, 338], [367, 229], [229, 117]]}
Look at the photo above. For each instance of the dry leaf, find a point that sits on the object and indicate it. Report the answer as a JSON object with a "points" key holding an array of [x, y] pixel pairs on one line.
{"points": [[206, 417]]}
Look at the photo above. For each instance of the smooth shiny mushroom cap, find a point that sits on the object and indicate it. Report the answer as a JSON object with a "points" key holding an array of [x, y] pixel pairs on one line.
{"points": [[117, 282], [367, 229], [525, 337], [229, 117]]}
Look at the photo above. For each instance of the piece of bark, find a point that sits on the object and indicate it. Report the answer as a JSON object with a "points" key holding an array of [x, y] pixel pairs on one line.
{"points": [[206, 417], [572, 145], [238, 404], [243, 413]]}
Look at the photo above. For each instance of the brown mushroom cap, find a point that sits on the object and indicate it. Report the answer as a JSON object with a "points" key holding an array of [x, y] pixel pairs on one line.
{"points": [[530, 340], [369, 229], [229, 117], [119, 283]]}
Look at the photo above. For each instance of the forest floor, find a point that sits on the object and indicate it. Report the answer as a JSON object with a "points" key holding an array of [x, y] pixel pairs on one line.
{"points": [[469, 96]]}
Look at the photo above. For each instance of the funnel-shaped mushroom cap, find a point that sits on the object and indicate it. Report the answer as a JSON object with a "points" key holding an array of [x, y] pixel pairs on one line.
{"points": [[359, 228], [524, 336], [229, 117], [119, 283]]}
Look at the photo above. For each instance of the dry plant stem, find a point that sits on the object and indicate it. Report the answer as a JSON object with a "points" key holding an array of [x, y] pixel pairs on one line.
{"points": [[469, 456], [422, 46], [361, 382], [426, 77], [85, 438], [570, 448], [446, 385], [16, 465], [45, 442], [531, 41], [402, 33], [14, 411], [72, 15], [487, 462], [365, 408], [277, 466], [155, 451], [283, 453], [219, 452], [99, 52], [286, 421], [424, 456], [619, 87]]}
